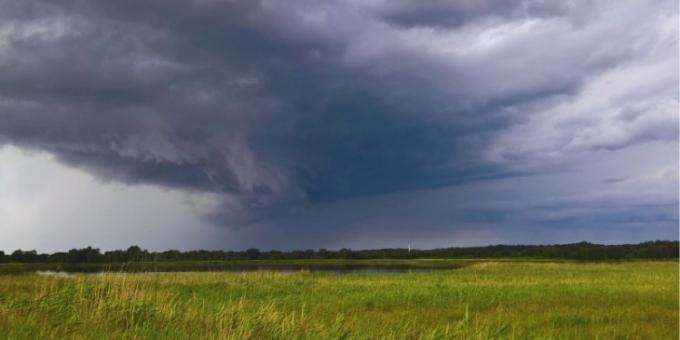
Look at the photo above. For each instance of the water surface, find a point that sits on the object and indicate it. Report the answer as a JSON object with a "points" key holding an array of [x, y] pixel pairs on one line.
{"points": [[336, 269]]}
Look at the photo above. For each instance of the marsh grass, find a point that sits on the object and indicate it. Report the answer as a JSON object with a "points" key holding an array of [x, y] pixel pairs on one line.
{"points": [[489, 300]]}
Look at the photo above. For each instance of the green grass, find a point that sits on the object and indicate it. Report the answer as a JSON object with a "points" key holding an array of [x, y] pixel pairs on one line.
{"points": [[484, 300]]}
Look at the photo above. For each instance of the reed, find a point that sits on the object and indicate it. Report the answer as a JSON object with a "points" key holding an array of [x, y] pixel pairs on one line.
{"points": [[484, 300]]}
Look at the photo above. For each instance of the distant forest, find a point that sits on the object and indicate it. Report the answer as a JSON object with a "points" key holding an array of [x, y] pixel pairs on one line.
{"points": [[575, 251]]}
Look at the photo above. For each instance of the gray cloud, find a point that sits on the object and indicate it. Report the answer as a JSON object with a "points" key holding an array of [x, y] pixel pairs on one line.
{"points": [[273, 107], [451, 14]]}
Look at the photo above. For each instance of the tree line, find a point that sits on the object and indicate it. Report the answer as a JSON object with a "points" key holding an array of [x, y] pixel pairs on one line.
{"points": [[576, 251]]}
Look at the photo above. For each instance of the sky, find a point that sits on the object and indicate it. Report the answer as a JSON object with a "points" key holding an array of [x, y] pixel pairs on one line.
{"points": [[360, 123]]}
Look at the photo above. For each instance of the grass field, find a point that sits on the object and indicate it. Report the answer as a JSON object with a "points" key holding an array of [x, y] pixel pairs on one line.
{"points": [[504, 300]]}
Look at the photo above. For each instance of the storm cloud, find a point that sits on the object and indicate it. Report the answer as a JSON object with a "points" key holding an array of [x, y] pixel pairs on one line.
{"points": [[274, 108]]}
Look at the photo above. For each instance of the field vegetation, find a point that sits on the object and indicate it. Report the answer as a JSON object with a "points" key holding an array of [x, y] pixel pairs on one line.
{"points": [[482, 300]]}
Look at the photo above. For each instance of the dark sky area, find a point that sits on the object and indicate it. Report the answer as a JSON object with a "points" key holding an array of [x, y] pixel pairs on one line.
{"points": [[360, 123]]}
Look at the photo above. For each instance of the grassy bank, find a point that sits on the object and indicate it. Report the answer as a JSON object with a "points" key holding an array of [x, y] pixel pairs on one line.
{"points": [[482, 300]]}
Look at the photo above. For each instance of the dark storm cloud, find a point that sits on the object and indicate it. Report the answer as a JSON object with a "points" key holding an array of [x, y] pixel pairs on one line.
{"points": [[442, 13], [273, 106]]}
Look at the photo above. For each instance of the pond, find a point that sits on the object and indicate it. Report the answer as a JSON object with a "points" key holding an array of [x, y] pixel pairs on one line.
{"points": [[336, 269]]}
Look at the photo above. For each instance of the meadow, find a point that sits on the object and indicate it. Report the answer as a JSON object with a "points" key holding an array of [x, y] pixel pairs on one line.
{"points": [[480, 300]]}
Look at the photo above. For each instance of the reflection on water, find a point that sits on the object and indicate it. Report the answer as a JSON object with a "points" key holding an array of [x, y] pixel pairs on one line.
{"points": [[52, 273]]}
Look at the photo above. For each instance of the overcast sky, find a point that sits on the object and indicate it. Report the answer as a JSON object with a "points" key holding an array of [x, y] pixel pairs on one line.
{"points": [[360, 123]]}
